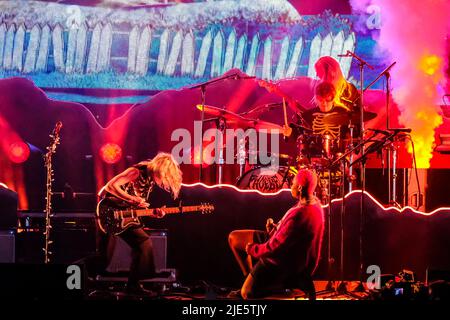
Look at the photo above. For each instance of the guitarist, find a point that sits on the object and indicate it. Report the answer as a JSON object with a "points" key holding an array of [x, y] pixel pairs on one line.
{"points": [[134, 186], [287, 252]]}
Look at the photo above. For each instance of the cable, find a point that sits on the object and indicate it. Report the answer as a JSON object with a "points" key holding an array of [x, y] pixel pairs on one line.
{"points": [[415, 169]]}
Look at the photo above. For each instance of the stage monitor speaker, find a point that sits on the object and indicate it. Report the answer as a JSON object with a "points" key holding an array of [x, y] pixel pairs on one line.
{"points": [[121, 256], [7, 247], [8, 209]]}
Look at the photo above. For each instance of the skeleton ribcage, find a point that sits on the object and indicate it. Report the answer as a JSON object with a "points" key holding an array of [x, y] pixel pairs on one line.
{"points": [[321, 128]]}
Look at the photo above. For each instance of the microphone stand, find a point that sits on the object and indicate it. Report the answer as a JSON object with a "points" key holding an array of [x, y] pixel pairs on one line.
{"points": [[391, 187], [361, 63], [202, 87]]}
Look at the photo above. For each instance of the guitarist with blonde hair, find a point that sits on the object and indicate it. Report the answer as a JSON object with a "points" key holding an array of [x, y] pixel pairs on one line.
{"points": [[132, 187]]}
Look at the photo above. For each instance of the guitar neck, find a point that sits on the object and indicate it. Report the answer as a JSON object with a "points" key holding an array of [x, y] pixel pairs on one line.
{"points": [[171, 210]]}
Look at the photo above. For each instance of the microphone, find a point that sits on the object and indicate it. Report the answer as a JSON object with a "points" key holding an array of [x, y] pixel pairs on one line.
{"points": [[379, 131], [345, 55]]}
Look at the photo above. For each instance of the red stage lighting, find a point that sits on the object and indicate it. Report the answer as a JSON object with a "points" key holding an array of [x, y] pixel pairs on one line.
{"points": [[19, 152], [111, 153]]}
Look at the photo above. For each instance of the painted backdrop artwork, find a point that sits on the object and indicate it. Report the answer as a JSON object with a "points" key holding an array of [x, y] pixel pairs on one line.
{"points": [[158, 47]]}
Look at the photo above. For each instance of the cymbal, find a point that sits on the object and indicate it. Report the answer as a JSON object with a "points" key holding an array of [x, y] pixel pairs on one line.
{"points": [[263, 125], [238, 120], [342, 118], [218, 112]]}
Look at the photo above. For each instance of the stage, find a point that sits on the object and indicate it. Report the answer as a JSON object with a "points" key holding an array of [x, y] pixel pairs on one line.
{"points": [[149, 131]]}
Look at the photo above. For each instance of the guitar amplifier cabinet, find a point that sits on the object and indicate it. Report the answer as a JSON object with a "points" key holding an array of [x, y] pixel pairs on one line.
{"points": [[121, 256], [73, 236], [7, 247], [8, 209]]}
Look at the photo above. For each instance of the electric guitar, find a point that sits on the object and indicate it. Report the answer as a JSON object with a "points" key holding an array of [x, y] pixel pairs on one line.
{"points": [[116, 216]]}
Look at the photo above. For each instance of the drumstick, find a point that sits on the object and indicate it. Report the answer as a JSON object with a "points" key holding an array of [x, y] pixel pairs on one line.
{"points": [[287, 131]]}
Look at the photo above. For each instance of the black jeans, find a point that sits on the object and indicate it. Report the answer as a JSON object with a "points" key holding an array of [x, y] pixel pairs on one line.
{"points": [[142, 264]]}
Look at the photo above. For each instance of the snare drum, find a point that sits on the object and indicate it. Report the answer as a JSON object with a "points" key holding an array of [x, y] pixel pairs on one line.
{"points": [[267, 179]]}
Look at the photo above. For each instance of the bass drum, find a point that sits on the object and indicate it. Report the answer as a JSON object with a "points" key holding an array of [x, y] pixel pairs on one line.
{"points": [[267, 179]]}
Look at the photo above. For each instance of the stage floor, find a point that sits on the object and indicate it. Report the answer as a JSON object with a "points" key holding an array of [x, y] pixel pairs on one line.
{"points": [[216, 293]]}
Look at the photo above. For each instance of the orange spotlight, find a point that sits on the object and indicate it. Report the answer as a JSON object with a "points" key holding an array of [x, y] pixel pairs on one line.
{"points": [[111, 153], [19, 152]]}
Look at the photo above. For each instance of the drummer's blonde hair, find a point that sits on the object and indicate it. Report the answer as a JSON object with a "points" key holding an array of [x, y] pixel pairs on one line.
{"points": [[328, 69], [168, 170]]}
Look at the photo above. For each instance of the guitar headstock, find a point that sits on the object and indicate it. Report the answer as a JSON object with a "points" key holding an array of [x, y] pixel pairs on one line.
{"points": [[206, 208]]}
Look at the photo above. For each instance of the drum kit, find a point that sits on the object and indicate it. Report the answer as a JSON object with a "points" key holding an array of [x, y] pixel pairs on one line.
{"points": [[322, 153]]}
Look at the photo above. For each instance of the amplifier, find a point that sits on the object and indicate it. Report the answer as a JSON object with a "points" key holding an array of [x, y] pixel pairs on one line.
{"points": [[8, 209], [121, 256], [7, 247], [73, 236]]}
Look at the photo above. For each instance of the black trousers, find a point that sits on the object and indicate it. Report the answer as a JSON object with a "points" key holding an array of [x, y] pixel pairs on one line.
{"points": [[142, 264]]}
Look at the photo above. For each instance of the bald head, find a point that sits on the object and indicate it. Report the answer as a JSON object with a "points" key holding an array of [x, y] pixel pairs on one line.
{"points": [[304, 184]]}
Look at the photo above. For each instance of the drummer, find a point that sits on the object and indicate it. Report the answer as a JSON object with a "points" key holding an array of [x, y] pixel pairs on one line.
{"points": [[332, 94], [329, 70], [326, 104]]}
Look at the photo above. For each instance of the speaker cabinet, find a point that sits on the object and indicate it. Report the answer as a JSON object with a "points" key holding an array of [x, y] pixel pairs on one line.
{"points": [[8, 209], [121, 256], [7, 247]]}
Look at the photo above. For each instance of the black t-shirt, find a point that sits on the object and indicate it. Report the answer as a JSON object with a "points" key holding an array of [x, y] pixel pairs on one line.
{"points": [[143, 185]]}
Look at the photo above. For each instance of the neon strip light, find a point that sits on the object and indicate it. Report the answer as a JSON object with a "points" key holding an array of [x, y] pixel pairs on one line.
{"points": [[235, 188], [334, 200]]}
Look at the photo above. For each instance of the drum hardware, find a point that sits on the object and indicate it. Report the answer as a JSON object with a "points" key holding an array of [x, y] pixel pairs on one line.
{"points": [[386, 73], [223, 118], [202, 87], [241, 156], [392, 150], [221, 125]]}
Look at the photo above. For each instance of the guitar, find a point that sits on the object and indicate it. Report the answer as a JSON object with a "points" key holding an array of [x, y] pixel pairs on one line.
{"points": [[116, 216]]}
